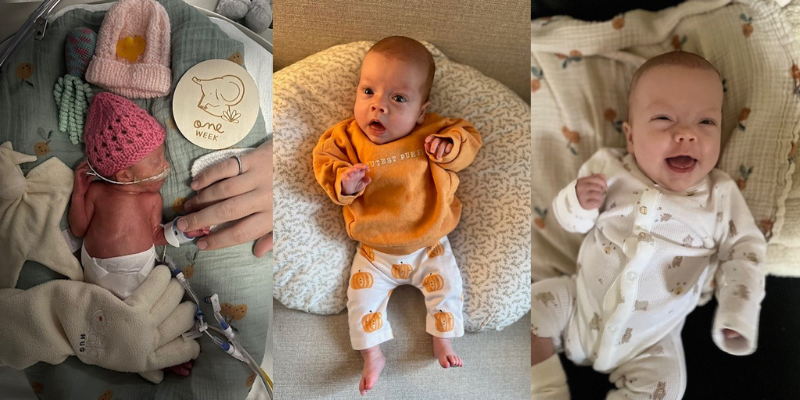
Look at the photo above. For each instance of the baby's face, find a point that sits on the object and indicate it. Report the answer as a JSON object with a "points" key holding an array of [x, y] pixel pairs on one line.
{"points": [[674, 125], [151, 165], [389, 98]]}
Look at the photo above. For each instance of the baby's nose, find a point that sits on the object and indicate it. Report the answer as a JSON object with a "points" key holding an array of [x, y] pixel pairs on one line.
{"points": [[379, 106], [683, 134]]}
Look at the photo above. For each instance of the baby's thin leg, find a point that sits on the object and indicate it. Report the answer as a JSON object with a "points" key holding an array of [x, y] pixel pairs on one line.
{"points": [[443, 351], [658, 373], [374, 361]]}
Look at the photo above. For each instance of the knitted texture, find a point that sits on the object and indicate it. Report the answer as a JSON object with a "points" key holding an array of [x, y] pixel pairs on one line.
{"points": [[78, 50], [119, 133], [72, 99], [149, 75]]}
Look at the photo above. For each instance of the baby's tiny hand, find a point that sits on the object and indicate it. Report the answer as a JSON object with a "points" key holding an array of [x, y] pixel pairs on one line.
{"points": [[355, 179], [82, 179], [198, 233], [591, 191], [437, 146]]}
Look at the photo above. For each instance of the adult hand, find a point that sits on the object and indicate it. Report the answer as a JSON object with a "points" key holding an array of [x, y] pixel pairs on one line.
{"points": [[224, 195]]}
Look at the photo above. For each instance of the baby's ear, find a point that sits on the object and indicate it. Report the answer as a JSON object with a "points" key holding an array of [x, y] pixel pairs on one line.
{"points": [[125, 175], [422, 112], [626, 128]]}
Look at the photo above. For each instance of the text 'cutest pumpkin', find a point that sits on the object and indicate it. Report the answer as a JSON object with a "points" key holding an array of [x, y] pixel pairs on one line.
{"points": [[361, 280], [444, 321], [372, 322], [433, 282], [401, 271]]}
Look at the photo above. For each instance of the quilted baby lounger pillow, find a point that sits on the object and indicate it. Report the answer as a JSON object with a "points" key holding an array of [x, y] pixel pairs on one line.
{"points": [[313, 253], [580, 74]]}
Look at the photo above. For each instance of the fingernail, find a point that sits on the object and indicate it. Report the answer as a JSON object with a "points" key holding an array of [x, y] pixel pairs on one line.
{"points": [[188, 206], [182, 224], [194, 185], [202, 244]]}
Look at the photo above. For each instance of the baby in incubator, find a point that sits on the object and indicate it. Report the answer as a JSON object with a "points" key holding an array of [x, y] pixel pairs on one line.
{"points": [[119, 216], [665, 230]]}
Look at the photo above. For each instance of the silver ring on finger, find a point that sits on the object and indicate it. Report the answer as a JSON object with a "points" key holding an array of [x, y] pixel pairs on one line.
{"points": [[238, 162]]}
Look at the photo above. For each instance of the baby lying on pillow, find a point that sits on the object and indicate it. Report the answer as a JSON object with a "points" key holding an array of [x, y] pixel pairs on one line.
{"points": [[393, 168]]}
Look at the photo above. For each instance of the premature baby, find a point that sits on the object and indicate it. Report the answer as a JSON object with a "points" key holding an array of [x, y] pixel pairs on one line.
{"points": [[119, 216], [665, 229], [393, 168]]}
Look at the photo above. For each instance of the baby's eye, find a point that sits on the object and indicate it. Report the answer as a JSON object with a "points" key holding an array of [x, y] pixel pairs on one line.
{"points": [[398, 98], [661, 118], [368, 91], [708, 122]]}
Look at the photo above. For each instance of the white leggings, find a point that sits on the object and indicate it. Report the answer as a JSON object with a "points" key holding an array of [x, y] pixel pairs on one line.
{"points": [[658, 373], [373, 277]]}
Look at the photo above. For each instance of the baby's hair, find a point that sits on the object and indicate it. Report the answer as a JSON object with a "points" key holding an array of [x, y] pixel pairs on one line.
{"points": [[408, 49], [679, 58]]}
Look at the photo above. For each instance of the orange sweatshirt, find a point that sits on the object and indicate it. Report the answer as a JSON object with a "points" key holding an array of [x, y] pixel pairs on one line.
{"points": [[411, 202]]}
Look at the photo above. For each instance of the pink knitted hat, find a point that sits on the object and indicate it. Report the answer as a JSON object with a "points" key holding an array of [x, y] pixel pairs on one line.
{"points": [[119, 133], [134, 72]]}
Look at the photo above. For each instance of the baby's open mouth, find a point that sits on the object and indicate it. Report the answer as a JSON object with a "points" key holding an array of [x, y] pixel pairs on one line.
{"points": [[377, 127], [681, 163]]}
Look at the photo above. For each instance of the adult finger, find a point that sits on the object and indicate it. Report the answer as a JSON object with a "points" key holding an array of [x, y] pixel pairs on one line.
{"points": [[263, 245], [219, 171], [222, 190], [229, 210], [246, 230]]}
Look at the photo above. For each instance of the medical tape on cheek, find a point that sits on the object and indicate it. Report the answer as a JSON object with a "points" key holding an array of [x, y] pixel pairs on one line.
{"points": [[175, 237]]}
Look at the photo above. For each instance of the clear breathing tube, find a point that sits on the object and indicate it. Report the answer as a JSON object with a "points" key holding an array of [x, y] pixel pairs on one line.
{"points": [[161, 175], [231, 345]]}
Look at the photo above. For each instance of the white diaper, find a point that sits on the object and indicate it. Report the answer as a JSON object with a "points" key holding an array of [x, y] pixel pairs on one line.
{"points": [[121, 275]]}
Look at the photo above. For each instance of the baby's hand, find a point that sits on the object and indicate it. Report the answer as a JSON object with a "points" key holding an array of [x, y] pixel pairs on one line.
{"points": [[437, 146], [355, 179], [198, 233], [82, 180], [591, 190]]}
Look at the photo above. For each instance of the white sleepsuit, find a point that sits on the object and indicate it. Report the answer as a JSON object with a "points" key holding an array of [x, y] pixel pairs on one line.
{"points": [[652, 256], [374, 275]]}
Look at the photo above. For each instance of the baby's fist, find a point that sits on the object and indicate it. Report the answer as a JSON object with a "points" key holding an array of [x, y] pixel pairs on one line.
{"points": [[355, 179], [438, 147], [591, 191]]}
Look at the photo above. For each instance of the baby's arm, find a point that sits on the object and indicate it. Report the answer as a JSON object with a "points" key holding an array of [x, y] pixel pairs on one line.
{"points": [[158, 230], [455, 146], [739, 279], [155, 221], [336, 163], [81, 208], [576, 207]]}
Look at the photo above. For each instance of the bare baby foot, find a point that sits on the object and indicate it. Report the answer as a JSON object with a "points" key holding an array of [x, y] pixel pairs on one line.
{"points": [[443, 350], [374, 361]]}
